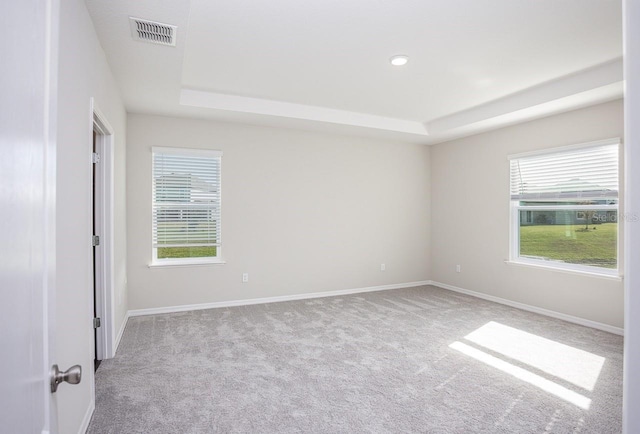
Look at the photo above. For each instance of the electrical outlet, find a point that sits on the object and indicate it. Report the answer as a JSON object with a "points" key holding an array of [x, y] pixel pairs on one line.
{"points": [[383, 267], [458, 269], [245, 277]]}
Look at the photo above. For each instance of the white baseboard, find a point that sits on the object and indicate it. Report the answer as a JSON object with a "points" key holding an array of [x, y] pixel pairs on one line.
{"points": [[120, 333], [84, 426], [534, 309], [277, 299]]}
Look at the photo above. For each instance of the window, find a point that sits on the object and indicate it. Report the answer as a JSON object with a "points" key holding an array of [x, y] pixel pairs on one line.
{"points": [[564, 207], [186, 206]]}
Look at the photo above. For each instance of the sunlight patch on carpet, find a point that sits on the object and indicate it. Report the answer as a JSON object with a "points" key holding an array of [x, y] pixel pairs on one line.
{"points": [[524, 375], [576, 366]]}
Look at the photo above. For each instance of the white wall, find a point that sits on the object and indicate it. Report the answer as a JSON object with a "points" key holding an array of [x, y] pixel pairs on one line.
{"points": [[470, 216], [302, 212], [631, 392], [83, 73]]}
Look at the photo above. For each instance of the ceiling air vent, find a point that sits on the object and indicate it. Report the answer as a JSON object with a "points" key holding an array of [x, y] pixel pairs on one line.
{"points": [[150, 31]]}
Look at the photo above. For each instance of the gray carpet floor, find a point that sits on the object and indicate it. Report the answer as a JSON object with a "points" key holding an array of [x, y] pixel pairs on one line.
{"points": [[408, 360]]}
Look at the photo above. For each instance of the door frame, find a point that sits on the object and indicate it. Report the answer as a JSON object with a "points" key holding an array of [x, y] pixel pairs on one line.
{"points": [[104, 255], [631, 383]]}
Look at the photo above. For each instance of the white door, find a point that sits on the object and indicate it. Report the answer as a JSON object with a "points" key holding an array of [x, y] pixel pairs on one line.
{"points": [[28, 49]]}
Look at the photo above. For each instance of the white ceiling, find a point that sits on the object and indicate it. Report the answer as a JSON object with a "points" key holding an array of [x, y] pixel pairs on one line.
{"points": [[473, 64]]}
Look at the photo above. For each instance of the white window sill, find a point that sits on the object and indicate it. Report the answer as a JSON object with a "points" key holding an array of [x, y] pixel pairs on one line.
{"points": [[183, 263], [604, 275]]}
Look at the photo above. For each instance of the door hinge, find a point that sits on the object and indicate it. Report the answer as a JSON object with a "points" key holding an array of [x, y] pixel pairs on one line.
{"points": [[96, 323], [95, 240], [95, 158]]}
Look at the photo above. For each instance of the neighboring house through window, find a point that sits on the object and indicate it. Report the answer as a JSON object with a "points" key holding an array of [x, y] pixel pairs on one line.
{"points": [[186, 206], [564, 206]]}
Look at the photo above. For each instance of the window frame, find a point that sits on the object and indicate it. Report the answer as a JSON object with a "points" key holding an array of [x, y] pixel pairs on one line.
{"points": [[516, 208], [190, 261]]}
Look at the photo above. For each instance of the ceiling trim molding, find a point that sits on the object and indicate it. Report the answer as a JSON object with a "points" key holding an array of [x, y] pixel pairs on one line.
{"points": [[601, 95], [219, 101], [589, 86]]}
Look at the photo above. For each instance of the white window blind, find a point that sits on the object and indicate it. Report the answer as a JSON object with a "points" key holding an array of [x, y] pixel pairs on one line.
{"points": [[564, 208], [186, 198], [583, 173]]}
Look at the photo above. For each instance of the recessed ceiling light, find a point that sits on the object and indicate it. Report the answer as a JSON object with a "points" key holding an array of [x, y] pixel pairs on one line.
{"points": [[399, 60]]}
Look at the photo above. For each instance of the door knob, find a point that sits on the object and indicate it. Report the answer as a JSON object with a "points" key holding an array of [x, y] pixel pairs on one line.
{"points": [[73, 375]]}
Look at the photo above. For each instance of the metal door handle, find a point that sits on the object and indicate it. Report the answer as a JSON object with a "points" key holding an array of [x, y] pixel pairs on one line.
{"points": [[73, 375]]}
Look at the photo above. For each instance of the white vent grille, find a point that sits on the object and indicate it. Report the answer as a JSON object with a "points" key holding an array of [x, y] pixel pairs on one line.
{"points": [[150, 31]]}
